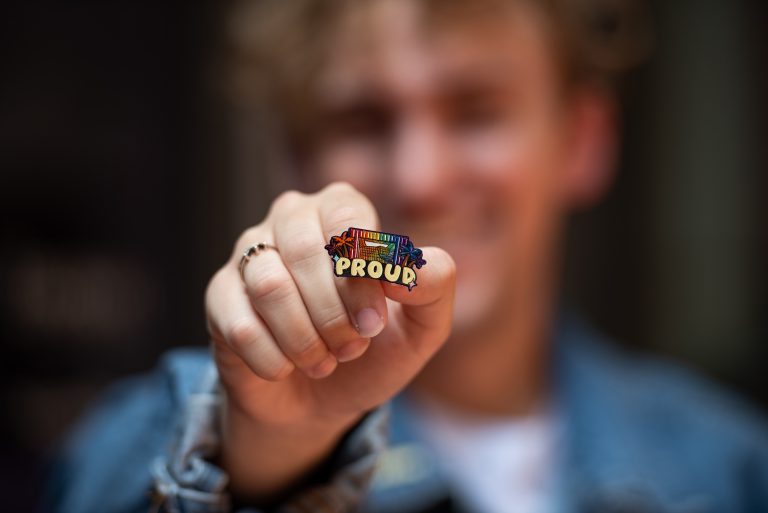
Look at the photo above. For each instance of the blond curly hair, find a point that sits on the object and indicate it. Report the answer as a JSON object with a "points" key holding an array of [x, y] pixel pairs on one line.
{"points": [[279, 46]]}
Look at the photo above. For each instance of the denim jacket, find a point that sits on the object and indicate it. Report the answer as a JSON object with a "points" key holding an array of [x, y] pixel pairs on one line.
{"points": [[639, 435]]}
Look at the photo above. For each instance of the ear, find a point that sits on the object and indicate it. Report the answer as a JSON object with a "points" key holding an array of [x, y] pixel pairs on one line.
{"points": [[593, 146]]}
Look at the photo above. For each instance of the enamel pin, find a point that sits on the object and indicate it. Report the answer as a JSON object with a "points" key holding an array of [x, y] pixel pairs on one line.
{"points": [[378, 255]]}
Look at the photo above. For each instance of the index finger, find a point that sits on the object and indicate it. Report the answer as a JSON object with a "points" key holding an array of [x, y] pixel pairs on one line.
{"points": [[302, 239]]}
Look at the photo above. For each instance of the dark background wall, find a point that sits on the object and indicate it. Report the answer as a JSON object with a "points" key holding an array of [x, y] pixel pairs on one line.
{"points": [[124, 180]]}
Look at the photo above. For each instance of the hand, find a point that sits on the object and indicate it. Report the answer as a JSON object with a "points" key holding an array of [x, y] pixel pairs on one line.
{"points": [[303, 352]]}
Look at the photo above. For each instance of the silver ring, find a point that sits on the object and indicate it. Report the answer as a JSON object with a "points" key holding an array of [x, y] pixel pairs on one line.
{"points": [[251, 251]]}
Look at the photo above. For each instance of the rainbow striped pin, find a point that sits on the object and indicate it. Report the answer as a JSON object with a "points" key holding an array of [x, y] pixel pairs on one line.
{"points": [[377, 255]]}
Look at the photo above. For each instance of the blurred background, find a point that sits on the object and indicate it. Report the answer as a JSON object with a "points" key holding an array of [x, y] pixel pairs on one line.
{"points": [[126, 177]]}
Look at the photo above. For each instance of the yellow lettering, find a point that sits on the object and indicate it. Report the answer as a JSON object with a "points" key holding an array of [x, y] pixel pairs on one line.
{"points": [[392, 272], [358, 266], [375, 269], [409, 275], [341, 265]]}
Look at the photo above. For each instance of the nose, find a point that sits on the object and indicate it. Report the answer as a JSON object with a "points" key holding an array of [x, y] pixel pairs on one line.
{"points": [[419, 161]]}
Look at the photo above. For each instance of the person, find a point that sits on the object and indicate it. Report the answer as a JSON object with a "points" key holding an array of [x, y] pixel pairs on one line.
{"points": [[475, 128]]}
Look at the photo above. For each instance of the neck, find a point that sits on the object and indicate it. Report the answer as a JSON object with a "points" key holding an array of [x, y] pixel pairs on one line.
{"points": [[499, 370]]}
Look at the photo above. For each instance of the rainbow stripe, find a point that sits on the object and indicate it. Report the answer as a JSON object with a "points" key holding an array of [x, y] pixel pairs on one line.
{"points": [[378, 236], [388, 238]]}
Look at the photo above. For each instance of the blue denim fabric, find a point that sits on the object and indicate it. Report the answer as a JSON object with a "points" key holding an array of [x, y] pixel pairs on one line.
{"points": [[639, 435]]}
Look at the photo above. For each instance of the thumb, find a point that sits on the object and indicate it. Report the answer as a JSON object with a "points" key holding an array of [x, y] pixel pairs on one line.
{"points": [[422, 316], [419, 322]]}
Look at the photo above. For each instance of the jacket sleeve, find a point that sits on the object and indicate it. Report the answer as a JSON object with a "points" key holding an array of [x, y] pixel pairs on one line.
{"points": [[149, 443]]}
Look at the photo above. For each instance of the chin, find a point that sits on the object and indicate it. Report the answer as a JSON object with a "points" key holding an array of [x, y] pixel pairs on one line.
{"points": [[477, 297]]}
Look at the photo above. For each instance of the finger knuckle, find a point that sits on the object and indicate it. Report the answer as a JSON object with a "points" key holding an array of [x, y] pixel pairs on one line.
{"points": [[335, 324], [353, 208], [367, 205], [340, 187], [300, 249], [270, 285], [277, 372], [311, 351], [243, 335], [286, 200], [211, 287], [343, 217], [246, 238]]}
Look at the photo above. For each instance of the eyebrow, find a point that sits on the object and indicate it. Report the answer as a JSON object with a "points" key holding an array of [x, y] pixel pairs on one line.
{"points": [[456, 82], [476, 77]]}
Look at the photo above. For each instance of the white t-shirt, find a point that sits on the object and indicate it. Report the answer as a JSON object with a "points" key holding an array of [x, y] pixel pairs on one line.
{"points": [[494, 465]]}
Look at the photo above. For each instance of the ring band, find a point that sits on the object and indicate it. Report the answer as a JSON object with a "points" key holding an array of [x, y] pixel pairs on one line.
{"points": [[251, 251]]}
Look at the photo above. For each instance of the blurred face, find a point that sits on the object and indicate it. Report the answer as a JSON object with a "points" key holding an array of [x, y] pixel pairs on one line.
{"points": [[460, 137]]}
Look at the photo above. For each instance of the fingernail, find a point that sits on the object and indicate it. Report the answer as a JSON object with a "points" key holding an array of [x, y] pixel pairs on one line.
{"points": [[323, 368], [352, 350], [369, 323]]}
